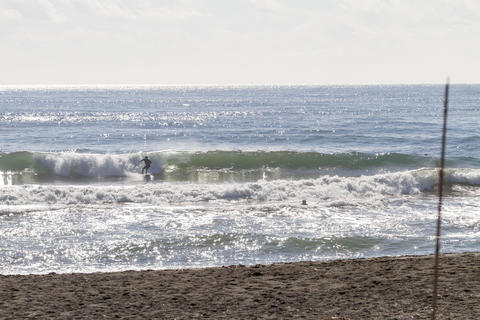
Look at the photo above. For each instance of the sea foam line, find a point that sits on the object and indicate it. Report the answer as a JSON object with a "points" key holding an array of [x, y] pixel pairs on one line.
{"points": [[327, 187]]}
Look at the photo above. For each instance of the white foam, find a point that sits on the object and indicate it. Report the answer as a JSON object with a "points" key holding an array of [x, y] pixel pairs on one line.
{"points": [[6, 178], [347, 190], [93, 165], [332, 188], [463, 176]]}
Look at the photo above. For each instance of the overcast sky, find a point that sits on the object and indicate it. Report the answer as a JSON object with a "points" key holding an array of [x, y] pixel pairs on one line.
{"points": [[239, 41]]}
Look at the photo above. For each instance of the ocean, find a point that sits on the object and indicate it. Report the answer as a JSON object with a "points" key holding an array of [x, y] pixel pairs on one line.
{"points": [[231, 169]]}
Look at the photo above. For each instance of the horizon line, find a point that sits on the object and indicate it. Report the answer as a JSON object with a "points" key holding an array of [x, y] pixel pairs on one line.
{"points": [[199, 85]]}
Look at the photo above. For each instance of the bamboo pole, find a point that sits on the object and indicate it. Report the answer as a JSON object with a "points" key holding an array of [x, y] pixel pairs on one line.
{"points": [[440, 199]]}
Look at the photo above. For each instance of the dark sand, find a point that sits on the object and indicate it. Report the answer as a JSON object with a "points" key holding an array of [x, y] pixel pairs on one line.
{"points": [[380, 288]]}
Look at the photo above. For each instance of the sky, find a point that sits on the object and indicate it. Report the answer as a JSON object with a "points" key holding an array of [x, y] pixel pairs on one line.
{"points": [[239, 42]]}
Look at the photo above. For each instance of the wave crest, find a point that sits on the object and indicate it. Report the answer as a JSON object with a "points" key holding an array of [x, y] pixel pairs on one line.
{"points": [[66, 164]]}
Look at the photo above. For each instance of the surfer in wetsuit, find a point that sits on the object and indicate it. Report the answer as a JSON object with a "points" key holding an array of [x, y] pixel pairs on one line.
{"points": [[147, 164]]}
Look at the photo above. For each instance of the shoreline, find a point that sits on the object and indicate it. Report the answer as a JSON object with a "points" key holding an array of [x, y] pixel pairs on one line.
{"points": [[371, 288]]}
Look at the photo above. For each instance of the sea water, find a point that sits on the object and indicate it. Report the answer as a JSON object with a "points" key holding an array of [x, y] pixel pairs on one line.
{"points": [[231, 169]]}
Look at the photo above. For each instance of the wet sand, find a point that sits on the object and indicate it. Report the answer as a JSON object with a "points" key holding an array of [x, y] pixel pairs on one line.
{"points": [[379, 288]]}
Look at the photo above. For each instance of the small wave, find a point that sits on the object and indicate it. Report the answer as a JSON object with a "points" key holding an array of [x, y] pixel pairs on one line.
{"points": [[334, 244], [340, 191]]}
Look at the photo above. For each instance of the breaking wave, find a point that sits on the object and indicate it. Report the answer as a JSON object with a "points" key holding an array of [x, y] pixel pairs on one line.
{"points": [[331, 188], [181, 166]]}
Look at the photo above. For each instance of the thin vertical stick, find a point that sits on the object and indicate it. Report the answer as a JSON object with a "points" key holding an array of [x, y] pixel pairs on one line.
{"points": [[440, 198]]}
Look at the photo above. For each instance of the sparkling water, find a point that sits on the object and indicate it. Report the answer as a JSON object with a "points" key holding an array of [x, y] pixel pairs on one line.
{"points": [[231, 169]]}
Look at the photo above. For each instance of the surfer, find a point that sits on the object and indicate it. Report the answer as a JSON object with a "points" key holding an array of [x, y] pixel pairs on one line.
{"points": [[147, 164]]}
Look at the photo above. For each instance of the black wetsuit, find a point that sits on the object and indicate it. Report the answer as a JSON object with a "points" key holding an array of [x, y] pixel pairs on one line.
{"points": [[147, 165]]}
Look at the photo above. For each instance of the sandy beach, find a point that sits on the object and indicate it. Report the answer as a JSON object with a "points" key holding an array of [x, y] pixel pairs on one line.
{"points": [[378, 288]]}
